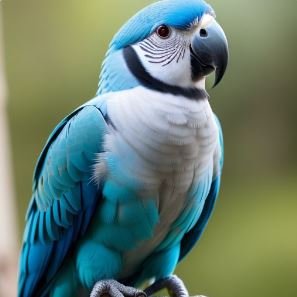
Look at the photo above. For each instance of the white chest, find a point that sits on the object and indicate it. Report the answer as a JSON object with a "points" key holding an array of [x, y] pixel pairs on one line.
{"points": [[161, 137], [166, 143]]}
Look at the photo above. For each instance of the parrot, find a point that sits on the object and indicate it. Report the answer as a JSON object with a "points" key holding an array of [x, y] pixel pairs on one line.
{"points": [[126, 183]]}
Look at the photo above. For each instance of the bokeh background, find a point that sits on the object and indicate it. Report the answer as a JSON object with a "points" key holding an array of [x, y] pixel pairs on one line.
{"points": [[53, 53]]}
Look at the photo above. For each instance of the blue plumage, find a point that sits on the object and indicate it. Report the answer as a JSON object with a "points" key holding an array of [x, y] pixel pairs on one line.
{"points": [[174, 13], [126, 183], [51, 227]]}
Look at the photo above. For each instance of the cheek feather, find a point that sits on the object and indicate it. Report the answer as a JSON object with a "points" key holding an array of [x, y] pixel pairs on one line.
{"points": [[164, 52], [167, 60]]}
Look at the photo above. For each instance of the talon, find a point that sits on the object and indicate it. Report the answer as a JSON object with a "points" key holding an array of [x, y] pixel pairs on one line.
{"points": [[173, 284], [112, 288], [140, 294]]}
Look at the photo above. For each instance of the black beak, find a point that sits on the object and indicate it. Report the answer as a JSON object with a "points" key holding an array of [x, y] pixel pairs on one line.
{"points": [[209, 52]]}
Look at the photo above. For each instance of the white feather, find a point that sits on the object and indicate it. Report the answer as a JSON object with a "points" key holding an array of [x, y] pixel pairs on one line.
{"points": [[174, 140]]}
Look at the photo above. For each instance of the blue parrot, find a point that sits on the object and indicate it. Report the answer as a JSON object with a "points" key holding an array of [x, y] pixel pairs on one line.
{"points": [[126, 183]]}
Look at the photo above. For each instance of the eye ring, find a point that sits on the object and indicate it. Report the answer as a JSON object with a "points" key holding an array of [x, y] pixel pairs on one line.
{"points": [[163, 31]]}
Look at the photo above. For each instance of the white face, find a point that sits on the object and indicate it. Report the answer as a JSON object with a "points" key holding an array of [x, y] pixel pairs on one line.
{"points": [[166, 55]]}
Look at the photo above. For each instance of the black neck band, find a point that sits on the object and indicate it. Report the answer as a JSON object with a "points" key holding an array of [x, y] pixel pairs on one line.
{"points": [[137, 69]]}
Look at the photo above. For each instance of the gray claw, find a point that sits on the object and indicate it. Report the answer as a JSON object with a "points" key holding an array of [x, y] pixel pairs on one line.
{"points": [[174, 285], [112, 288]]}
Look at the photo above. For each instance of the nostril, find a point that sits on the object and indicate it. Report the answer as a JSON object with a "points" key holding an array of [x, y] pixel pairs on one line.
{"points": [[203, 33]]}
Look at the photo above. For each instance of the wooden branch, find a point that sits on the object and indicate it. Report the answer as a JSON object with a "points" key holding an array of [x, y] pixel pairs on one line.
{"points": [[8, 229]]}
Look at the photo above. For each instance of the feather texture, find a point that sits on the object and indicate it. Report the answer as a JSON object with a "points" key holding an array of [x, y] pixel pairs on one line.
{"points": [[61, 206], [126, 183], [151, 162]]}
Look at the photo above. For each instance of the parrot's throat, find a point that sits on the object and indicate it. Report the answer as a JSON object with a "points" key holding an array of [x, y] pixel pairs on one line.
{"points": [[144, 77]]}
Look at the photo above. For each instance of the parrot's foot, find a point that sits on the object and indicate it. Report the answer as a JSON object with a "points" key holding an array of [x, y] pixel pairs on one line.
{"points": [[112, 288], [174, 285]]}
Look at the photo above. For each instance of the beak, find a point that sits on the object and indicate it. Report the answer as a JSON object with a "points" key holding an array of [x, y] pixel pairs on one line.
{"points": [[209, 52]]}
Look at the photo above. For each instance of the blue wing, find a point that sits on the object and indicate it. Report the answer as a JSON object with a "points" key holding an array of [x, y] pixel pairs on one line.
{"points": [[193, 235], [63, 199]]}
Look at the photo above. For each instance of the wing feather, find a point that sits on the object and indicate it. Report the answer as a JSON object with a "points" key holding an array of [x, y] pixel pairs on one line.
{"points": [[63, 199]]}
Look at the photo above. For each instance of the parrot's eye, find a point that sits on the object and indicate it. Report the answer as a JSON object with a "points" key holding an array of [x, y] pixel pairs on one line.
{"points": [[163, 31], [203, 33]]}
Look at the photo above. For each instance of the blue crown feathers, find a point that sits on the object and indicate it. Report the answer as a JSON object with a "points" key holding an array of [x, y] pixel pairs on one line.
{"points": [[176, 13]]}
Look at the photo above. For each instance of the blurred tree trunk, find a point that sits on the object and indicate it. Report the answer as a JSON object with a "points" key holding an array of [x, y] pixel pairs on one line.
{"points": [[8, 229]]}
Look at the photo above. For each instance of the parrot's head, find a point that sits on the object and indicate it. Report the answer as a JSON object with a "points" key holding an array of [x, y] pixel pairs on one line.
{"points": [[170, 46]]}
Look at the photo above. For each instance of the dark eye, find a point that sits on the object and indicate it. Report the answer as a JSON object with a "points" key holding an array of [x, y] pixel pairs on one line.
{"points": [[163, 31]]}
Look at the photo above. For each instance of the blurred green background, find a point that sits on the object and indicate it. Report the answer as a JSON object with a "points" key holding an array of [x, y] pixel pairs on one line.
{"points": [[53, 52]]}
